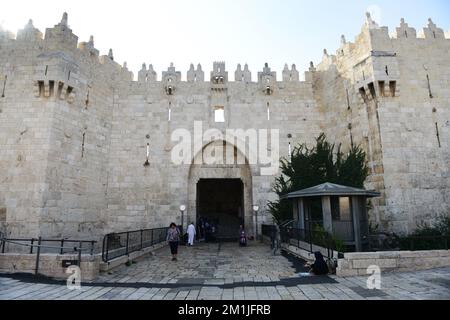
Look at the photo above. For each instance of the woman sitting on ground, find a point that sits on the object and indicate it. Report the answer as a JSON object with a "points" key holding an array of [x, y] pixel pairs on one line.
{"points": [[319, 267]]}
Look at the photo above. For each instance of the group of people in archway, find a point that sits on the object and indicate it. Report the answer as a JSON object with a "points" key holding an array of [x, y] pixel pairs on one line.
{"points": [[206, 230]]}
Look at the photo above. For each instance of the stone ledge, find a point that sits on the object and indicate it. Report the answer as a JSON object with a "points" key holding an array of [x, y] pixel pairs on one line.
{"points": [[49, 264], [356, 264]]}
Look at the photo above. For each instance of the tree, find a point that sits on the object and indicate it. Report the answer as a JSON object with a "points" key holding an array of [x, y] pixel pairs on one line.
{"points": [[310, 167]]}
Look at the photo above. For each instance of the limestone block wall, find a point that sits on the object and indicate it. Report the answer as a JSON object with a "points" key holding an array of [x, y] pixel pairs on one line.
{"points": [[49, 265], [356, 264], [144, 114], [381, 92], [74, 129]]}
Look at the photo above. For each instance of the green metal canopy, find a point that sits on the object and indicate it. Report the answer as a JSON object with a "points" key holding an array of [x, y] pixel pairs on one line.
{"points": [[330, 189]]}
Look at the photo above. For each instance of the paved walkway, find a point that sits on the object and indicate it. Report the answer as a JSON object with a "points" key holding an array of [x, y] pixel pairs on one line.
{"points": [[227, 272]]}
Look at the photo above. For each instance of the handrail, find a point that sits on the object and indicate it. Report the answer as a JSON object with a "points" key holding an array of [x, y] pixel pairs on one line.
{"points": [[120, 244], [13, 241]]}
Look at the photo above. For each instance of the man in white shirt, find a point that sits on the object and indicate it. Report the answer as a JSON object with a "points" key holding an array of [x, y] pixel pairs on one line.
{"points": [[191, 234]]}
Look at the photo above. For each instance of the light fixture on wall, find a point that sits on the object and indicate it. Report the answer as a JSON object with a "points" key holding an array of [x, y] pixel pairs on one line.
{"points": [[255, 217], [182, 210]]}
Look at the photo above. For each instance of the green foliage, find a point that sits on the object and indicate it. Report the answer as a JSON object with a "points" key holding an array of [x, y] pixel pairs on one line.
{"points": [[310, 167], [427, 237], [323, 239]]}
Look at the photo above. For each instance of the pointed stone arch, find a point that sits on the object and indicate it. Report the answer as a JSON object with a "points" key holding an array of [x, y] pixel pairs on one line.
{"points": [[243, 172]]}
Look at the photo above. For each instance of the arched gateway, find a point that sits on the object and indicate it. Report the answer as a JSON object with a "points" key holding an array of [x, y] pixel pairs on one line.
{"points": [[221, 190]]}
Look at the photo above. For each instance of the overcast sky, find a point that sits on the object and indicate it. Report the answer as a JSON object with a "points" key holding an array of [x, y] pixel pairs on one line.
{"points": [[236, 31]]}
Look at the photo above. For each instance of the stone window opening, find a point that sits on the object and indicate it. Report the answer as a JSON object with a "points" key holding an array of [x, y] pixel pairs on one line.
{"points": [[46, 70], [268, 111], [69, 91], [387, 70], [364, 76], [68, 77], [4, 86], [362, 91], [60, 88], [219, 114], [406, 34], [41, 88], [52, 87], [392, 87], [434, 34]]}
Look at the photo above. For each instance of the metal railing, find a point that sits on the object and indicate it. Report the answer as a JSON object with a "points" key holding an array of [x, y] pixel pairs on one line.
{"points": [[309, 240], [41, 247], [116, 245]]}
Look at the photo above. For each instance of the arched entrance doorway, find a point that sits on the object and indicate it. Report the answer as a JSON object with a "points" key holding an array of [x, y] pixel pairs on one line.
{"points": [[221, 193]]}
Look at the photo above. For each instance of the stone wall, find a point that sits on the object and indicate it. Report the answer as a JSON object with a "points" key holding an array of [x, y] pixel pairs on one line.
{"points": [[390, 95], [74, 129], [49, 265], [356, 264]]}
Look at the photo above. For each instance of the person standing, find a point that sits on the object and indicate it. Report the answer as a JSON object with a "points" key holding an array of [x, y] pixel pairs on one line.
{"points": [[173, 238], [242, 237], [191, 234]]}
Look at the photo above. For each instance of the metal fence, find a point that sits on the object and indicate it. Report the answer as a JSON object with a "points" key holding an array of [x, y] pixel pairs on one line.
{"points": [[309, 240], [122, 244]]}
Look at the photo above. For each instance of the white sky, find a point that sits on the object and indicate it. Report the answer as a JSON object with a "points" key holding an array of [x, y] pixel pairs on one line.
{"points": [[203, 31]]}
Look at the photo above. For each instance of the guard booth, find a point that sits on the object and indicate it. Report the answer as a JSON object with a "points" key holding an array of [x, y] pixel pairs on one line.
{"points": [[340, 210]]}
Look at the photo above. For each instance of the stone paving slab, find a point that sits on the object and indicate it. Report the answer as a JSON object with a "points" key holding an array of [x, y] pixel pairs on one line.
{"points": [[210, 272]]}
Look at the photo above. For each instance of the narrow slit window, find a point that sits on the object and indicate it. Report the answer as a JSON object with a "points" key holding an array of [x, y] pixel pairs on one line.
{"points": [[87, 100], [381, 86], [438, 135], [219, 114], [268, 111], [348, 99], [82, 145], [4, 86], [68, 77], [170, 113], [46, 70], [429, 87]]}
